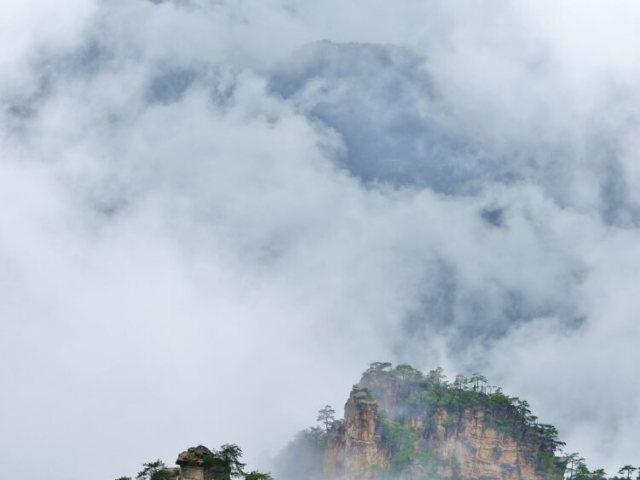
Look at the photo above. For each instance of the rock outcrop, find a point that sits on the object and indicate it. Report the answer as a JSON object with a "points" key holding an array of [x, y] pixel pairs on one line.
{"points": [[353, 447], [387, 433], [468, 449], [199, 463]]}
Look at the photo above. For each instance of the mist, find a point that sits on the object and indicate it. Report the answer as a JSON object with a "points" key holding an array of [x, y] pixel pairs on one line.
{"points": [[215, 214]]}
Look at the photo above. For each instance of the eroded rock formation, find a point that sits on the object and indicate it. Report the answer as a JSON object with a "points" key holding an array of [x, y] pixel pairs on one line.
{"points": [[469, 449], [199, 463], [354, 447], [380, 434]]}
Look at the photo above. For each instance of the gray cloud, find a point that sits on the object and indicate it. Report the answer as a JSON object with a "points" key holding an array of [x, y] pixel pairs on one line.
{"points": [[214, 214]]}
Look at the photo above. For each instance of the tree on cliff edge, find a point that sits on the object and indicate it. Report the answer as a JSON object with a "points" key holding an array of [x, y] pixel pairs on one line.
{"points": [[326, 416], [628, 469], [255, 475], [154, 471]]}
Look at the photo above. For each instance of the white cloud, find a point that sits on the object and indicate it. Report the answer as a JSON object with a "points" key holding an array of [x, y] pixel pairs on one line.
{"points": [[216, 259]]}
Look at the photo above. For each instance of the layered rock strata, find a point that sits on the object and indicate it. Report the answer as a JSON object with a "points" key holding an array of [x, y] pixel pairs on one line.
{"points": [[462, 446], [353, 448]]}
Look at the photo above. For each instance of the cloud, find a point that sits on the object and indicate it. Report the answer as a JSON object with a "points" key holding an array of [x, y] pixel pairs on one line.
{"points": [[215, 214]]}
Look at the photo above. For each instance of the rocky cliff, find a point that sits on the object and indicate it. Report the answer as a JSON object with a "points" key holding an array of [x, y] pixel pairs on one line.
{"points": [[404, 425], [354, 448], [471, 450]]}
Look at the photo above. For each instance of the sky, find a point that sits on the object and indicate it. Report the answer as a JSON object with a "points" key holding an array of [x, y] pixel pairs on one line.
{"points": [[214, 214]]}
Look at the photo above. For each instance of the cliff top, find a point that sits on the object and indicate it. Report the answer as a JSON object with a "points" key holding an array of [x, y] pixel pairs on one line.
{"points": [[199, 455], [403, 391]]}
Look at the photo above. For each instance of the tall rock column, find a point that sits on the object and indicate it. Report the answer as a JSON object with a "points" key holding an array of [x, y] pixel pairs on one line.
{"points": [[352, 451], [199, 463]]}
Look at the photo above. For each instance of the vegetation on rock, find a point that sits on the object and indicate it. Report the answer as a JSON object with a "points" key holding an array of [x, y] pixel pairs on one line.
{"points": [[405, 393], [413, 404], [156, 471], [224, 463], [413, 414]]}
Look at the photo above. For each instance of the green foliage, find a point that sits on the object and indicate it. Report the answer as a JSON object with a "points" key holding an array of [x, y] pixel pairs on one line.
{"points": [[424, 395], [370, 396], [461, 382], [577, 470], [496, 452], [599, 474], [549, 435], [405, 449], [582, 472], [255, 475], [155, 471], [448, 423], [229, 454], [406, 372], [478, 381], [436, 378], [225, 461], [628, 470], [573, 460], [326, 416], [378, 367]]}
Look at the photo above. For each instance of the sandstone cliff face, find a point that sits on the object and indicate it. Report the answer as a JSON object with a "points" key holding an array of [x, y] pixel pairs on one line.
{"points": [[461, 446], [470, 450], [353, 448]]}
